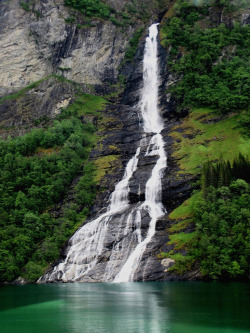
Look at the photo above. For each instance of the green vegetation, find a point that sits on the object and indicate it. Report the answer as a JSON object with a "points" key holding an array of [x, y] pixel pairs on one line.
{"points": [[133, 43], [25, 6], [37, 170], [215, 61], [96, 9], [102, 165], [85, 105], [21, 92], [222, 173], [204, 136], [182, 240], [185, 210], [220, 242], [214, 147], [93, 8], [211, 229], [183, 263], [223, 231]]}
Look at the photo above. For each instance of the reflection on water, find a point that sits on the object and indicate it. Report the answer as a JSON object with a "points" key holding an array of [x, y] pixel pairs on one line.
{"points": [[170, 307]]}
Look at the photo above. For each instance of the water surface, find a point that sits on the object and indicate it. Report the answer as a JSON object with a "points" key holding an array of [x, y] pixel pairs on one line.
{"points": [[155, 307]]}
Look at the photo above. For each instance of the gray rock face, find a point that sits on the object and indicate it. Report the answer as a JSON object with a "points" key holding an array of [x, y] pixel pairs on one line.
{"points": [[37, 43], [44, 101], [117, 244], [35, 46]]}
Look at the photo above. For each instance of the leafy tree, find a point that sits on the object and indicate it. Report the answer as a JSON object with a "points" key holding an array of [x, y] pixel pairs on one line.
{"points": [[209, 76], [36, 171], [223, 224]]}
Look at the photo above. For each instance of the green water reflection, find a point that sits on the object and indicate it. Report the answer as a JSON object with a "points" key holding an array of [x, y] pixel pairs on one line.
{"points": [[155, 307]]}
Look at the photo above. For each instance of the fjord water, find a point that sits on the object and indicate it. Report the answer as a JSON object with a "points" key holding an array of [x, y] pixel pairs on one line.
{"points": [[147, 307], [92, 241]]}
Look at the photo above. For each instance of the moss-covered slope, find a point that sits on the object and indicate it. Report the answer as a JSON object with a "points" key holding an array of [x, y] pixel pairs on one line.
{"points": [[208, 52]]}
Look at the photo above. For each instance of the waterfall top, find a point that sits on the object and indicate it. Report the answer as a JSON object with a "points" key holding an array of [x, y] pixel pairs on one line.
{"points": [[148, 104]]}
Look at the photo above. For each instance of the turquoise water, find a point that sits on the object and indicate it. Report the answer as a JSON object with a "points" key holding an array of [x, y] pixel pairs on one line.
{"points": [[169, 307]]}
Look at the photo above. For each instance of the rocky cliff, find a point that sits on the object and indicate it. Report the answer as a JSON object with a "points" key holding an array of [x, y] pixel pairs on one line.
{"points": [[39, 41], [39, 38], [48, 58], [50, 54]]}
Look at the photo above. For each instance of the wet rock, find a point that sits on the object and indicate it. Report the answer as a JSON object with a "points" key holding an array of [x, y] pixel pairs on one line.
{"points": [[92, 56], [20, 281]]}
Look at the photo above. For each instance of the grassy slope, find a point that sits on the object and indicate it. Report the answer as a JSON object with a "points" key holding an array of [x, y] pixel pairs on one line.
{"points": [[202, 136], [205, 136]]}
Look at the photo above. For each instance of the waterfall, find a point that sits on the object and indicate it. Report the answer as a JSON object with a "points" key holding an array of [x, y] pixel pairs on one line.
{"points": [[152, 123], [117, 233], [87, 244]]}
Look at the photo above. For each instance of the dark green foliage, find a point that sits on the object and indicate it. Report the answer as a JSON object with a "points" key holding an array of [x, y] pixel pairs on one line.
{"points": [[222, 173], [214, 66], [91, 8], [223, 231], [36, 171], [99, 9], [69, 20], [245, 124], [133, 43], [25, 6], [84, 188]]}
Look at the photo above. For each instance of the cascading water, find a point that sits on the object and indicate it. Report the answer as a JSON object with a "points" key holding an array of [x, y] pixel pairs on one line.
{"points": [[152, 122], [92, 242], [88, 242]]}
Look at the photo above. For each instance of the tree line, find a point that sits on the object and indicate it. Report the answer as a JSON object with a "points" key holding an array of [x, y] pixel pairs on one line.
{"points": [[223, 172], [36, 171], [212, 62]]}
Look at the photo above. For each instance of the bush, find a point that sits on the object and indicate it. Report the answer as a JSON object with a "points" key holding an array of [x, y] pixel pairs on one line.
{"points": [[210, 76], [223, 234], [90, 8], [36, 171], [33, 271]]}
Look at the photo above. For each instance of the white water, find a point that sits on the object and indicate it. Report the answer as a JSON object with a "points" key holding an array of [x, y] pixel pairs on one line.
{"points": [[152, 122], [89, 242]]}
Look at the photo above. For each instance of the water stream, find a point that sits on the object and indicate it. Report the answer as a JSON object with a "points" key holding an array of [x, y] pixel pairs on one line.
{"points": [[95, 251], [152, 123]]}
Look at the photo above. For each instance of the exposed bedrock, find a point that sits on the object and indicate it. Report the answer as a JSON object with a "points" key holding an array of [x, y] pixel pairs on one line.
{"points": [[34, 47], [126, 133], [38, 42]]}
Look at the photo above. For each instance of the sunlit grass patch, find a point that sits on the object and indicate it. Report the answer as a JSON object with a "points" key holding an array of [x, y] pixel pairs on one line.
{"points": [[185, 210], [102, 165], [203, 136], [182, 240], [87, 104]]}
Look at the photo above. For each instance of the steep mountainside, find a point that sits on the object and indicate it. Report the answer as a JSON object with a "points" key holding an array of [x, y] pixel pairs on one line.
{"points": [[71, 74]]}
